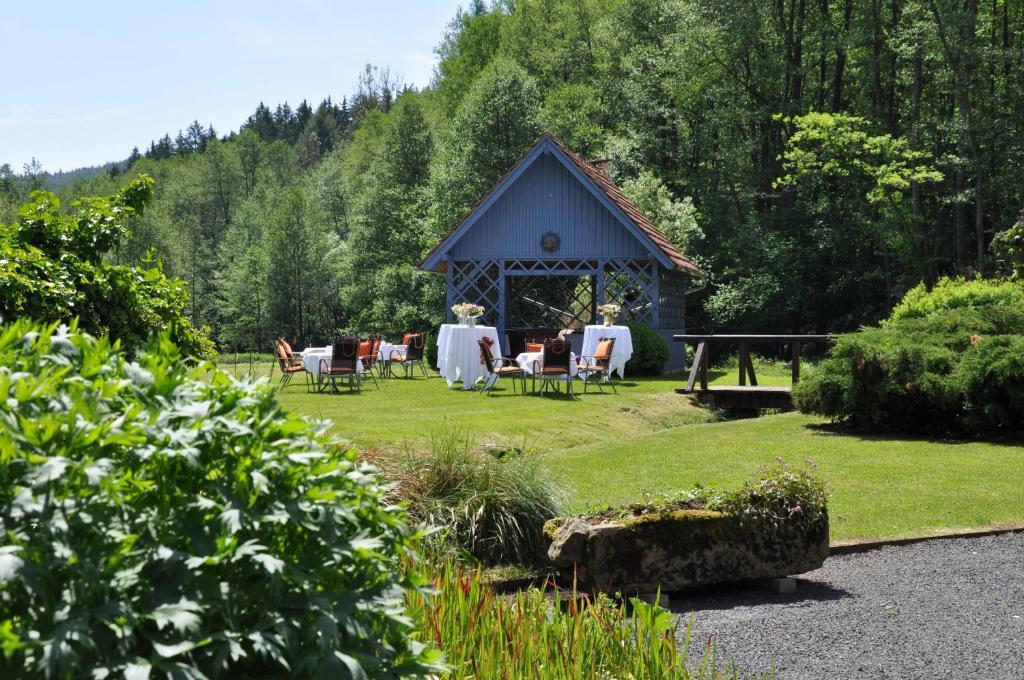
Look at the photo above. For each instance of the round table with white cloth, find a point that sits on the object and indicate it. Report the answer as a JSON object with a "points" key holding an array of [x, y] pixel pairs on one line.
{"points": [[526, 361], [622, 351], [458, 354], [442, 341], [311, 357]]}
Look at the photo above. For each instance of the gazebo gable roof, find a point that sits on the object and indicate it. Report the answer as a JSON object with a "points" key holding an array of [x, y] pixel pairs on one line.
{"points": [[595, 181]]}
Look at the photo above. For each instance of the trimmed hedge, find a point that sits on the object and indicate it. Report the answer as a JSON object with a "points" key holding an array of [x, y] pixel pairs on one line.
{"points": [[161, 521], [948, 361]]}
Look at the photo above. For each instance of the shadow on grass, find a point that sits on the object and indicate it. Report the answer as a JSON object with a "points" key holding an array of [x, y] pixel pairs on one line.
{"points": [[863, 434], [730, 596]]}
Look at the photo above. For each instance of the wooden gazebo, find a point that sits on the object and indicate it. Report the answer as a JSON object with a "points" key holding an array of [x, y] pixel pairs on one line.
{"points": [[555, 238]]}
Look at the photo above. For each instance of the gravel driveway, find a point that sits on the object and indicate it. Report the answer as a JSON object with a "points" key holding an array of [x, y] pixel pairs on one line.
{"points": [[937, 609]]}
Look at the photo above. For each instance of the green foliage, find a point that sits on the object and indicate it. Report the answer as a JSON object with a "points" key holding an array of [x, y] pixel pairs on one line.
{"points": [[781, 498], [946, 361], [676, 218], [52, 268], [956, 294], [171, 521], [493, 507], [486, 635], [838, 148], [573, 114], [650, 351], [494, 126], [1009, 245]]}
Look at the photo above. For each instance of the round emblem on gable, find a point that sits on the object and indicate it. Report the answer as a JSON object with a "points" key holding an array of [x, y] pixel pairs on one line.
{"points": [[550, 242]]}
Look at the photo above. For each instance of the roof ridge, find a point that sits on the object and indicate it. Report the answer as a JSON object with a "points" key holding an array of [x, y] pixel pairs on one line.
{"points": [[606, 186]]}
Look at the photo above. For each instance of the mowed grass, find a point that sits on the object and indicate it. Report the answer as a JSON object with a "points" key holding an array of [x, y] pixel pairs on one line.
{"points": [[614, 449]]}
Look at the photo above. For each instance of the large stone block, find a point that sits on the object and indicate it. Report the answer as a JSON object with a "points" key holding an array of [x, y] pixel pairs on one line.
{"points": [[680, 549]]}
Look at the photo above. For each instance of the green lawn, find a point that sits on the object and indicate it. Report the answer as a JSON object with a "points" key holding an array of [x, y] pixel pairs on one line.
{"points": [[647, 439]]}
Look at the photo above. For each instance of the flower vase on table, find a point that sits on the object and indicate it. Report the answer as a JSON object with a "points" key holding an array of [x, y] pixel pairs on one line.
{"points": [[610, 311], [467, 313]]}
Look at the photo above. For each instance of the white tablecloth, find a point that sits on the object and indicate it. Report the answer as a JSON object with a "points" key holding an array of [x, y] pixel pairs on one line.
{"points": [[526, 359], [442, 341], [623, 345], [386, 348], [458, 354], [311, 357]]}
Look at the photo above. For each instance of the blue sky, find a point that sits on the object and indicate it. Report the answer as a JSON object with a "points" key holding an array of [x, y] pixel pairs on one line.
{"points": [[84, 82]]}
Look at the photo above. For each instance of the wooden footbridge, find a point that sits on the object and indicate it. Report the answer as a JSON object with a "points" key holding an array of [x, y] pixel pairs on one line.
{"points": [[743, 396]]}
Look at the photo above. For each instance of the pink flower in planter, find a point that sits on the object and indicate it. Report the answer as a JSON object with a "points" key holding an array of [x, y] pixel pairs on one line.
{"points": [[797, 508]]}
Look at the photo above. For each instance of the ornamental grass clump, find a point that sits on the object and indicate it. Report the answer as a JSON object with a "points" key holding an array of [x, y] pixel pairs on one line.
{"points": [[490, 507], [158, 520], [554, 634]]}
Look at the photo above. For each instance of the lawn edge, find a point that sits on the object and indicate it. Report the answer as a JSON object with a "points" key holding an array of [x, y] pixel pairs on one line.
{"points": [[854, 547]]}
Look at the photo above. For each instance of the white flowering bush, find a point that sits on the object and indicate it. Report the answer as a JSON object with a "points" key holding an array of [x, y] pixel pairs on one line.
{"points": [[156, 521]]}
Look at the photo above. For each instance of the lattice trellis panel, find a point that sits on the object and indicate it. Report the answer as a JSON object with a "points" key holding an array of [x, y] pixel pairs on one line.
{"points": [[556, 301], [672, 289], [634, 285], [479, 282], [542, 267]]}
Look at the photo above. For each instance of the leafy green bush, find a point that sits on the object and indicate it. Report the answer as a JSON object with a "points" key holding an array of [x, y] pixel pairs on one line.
{"points": [[52, 268], [485, 635], [650, 351], [491, 507], [947, 361], [159, 519]]}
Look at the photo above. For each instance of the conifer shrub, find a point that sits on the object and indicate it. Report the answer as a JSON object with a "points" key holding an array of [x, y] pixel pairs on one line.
{"points": [[157, 521], [948, 361]]}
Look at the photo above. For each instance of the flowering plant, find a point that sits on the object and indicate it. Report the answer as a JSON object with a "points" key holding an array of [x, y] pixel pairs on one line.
{"points": [[609, 309], [467, 310], [782, 495]]}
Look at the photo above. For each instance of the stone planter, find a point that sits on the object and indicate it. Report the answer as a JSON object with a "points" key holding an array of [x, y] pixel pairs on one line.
{"points": [[679, 549]]}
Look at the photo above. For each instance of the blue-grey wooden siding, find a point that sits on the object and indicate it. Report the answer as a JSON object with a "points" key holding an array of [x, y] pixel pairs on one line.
{"points": [[547, 197]]}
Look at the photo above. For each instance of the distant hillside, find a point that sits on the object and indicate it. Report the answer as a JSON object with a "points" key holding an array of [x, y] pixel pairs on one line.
{"points": [[58, 180]]}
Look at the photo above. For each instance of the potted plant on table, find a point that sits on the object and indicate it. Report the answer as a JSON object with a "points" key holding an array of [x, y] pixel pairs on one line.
{"points": [[610, 311], [467, 313]]}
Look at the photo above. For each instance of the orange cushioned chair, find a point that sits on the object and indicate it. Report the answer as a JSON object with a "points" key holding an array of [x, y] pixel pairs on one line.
{"points": [[599, 364], [413, 355], [499, 368], [289, 365], [556, 365], [366, 358]]}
